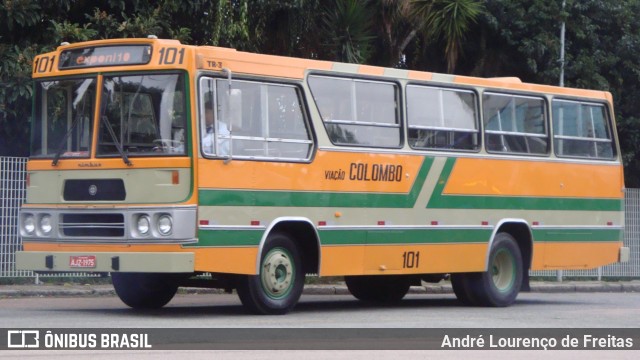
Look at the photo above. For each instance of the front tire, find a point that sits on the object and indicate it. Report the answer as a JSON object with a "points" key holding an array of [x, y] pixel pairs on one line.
{"points": [[278, 286], [144, 290]]}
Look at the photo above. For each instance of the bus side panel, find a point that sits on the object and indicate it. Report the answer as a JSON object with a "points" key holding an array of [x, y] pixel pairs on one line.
{"points": [[577, 256], [425, 259], [342, 260], [240, 260], [402, 259], [534, 179]]}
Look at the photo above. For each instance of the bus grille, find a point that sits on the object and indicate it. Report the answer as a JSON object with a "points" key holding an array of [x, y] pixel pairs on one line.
{"points": [[92, 225], [94, 190]]}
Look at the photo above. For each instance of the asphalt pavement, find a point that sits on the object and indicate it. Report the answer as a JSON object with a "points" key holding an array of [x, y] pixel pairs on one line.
{"points": [[444, 287]]}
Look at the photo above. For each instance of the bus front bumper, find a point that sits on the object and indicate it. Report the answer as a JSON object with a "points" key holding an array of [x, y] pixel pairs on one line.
{"points": [[166, 262]]}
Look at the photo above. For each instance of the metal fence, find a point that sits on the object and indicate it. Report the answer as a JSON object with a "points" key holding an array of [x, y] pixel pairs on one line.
{"points": [[12, 194], [629, 269]]}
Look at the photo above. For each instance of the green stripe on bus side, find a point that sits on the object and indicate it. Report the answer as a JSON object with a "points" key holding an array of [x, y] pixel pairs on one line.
{"points": [[578, 235], [403, 236], [316, 199], [228, 238], [342, 237], [386, 236], [452, 236], [382, 236], [440, 201]]}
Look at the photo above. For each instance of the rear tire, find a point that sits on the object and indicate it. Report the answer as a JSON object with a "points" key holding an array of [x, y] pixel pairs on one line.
{"points": [[384, 289], [500, 284], [277, 288], [145, 290]]}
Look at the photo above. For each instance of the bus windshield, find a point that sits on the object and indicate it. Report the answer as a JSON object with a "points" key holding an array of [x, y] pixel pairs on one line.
{"points": [[142, 115], [63, 113]]}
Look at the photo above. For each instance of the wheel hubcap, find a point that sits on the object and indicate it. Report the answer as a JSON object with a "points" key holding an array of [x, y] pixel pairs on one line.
{"points": [[503, 270], [277, 273]]}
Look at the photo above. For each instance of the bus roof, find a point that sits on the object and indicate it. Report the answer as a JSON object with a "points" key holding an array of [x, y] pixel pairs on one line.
{"points": [[216, 58]]}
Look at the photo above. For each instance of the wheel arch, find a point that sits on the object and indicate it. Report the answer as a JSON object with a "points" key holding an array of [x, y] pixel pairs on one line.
{"points": [[303, 233], [520, 230]]}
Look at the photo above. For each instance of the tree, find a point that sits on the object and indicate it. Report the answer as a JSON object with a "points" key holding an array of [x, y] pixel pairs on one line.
{"points": [[448, 20], [16, 52], [396, 28], [474, 37], [348, 28], [290, 27], [602, 48]]}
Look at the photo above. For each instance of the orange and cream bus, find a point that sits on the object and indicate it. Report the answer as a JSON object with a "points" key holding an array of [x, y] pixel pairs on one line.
{"points": [[171, 165]]}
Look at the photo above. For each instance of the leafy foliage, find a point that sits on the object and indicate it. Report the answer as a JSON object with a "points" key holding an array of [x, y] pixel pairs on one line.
{"points": [[475, 37], [17, 14], [348, 28], [602, 45], [449, 20]]}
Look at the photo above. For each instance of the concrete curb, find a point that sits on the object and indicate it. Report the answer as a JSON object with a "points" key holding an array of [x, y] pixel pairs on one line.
{"points": [[53, 291], [17, 291]]}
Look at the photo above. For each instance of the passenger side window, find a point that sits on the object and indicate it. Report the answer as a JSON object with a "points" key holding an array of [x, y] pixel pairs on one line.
{"points": [[253, 120], [358, 112], [581, 130], [515, 124], [442, 119]]}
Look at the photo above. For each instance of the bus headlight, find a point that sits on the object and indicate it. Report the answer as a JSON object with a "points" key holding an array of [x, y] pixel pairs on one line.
{"points": [[29, 224], [144, 224], [165, 224], [45, 224]]}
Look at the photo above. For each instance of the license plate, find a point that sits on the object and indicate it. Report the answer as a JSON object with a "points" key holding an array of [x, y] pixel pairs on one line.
{"points": [[84, 261]]}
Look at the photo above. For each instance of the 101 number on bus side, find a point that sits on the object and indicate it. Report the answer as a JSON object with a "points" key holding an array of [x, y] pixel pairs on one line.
{"points": [[411, 259]]}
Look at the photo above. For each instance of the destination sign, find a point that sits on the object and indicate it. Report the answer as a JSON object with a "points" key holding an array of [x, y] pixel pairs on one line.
{"points": [[96, 56]]}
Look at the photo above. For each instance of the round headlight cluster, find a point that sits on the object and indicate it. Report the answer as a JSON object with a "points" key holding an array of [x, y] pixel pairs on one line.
{"points": [[144, 225], [159, 224], [29, 224], [37, 224], [45, 224], [165, 224]]}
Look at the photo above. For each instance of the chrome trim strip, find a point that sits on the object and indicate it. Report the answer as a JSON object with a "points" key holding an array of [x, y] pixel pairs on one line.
{"points": [[582, 138], [580, 227], [516, 133], [182, 233], [495, 232], [231, 227], [284, 219], [403, 227], [444, 128]]}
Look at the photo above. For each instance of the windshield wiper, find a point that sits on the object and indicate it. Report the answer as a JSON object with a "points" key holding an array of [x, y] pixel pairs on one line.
{"points": [[56, 158], [124, 156]]}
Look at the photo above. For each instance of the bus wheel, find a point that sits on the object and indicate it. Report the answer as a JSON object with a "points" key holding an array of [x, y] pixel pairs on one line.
{"points": [[379, 289], [278, 286], [144, 290], [500, 284], [460, 284]]}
